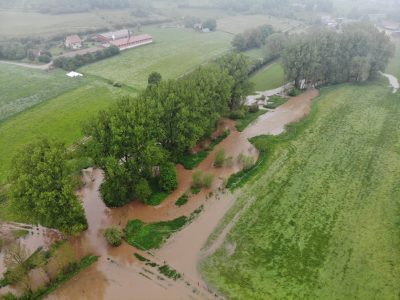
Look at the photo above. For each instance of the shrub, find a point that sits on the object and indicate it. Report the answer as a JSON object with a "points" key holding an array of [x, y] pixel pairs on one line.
{"points": [[168, 179], [237, 114], [246, 161], [143, 190], [169, 272], [182, 200], [44, 58], [197, 179], [254, 108], [294, 92], [219, 159], [208, 180], [113, 235]]}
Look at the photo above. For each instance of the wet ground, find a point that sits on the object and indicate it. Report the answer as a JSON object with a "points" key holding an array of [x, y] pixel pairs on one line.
{"points": [[118, 274]]}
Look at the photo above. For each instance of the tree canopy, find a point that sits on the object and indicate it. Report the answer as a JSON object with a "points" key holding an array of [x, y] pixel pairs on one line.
{"points": [[43, 190], [357, 53]]}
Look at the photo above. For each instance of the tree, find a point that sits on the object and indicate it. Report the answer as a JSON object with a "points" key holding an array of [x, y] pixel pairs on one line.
{"points": [[238, 67], [154, 79], [210, 24], [42, 189], [168, 180], [143, 190], [44, 58]]}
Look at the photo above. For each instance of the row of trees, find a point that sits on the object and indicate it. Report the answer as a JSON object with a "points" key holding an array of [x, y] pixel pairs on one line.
{"points": [[252, 38], [137, 139], [357, 53], [72, 63]]}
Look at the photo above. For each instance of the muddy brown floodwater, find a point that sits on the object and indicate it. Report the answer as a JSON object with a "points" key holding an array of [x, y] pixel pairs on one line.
{"points": [[118, 274]]}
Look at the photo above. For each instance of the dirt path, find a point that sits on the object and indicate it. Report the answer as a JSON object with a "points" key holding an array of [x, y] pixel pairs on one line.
{"points": [[30, 66], [118, 274]]}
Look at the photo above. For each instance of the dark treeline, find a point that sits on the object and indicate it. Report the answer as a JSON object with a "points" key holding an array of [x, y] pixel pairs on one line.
{"points": [[252, 38], [357, 54], [136, 140], [72, 63]]}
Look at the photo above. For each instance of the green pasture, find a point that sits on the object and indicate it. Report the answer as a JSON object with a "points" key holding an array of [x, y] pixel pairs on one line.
{"points": [[324, 223], [174, 52], [60, 118], [269, 77], [22, 88]]}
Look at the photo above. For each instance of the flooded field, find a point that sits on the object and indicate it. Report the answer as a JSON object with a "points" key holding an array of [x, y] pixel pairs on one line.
{"points": [[119, 274]]}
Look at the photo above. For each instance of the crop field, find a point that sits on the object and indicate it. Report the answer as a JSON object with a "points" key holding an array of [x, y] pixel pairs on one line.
{"points": [[21, 24], [22, 88], [60, 119], [394, 65], [174, 52], [269, 77], [238, 24], [324, 223]]}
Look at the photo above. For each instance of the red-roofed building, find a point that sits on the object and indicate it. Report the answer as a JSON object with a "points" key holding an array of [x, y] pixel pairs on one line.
{"points": [[73, 42], [132, 41]]}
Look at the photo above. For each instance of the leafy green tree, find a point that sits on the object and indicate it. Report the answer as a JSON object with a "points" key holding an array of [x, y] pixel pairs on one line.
{"points": [[210, 24], [154, 78], [143, 190], [42, 189], [168, 179], [238, 67]]}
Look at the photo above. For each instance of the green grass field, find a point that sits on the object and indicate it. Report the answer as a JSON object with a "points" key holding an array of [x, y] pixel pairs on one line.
{"points": [[269, 77], [324, 223], [238, 24], [22, 88], [60, 118], [21, 24], [394, 65], [174, 52]]}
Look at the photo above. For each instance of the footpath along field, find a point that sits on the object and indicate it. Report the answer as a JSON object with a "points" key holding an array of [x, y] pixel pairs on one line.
{"points": [[174, 52], [325, 220]]}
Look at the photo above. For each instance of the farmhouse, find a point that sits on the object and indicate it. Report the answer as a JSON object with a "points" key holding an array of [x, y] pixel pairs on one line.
{"points": [[112, 35], [132, 41], [73, 42]]}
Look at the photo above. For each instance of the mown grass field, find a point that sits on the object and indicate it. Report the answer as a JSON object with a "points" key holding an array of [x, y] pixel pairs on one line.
{"points": [[173, 53], [60, 118], [22, 88], [324, 223], [269, 77], [238, 24], [394, 65]]}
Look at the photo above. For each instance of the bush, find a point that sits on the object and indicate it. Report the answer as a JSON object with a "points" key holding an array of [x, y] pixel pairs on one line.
{"points": [[237, 114], [168, 180], [254, 108], [113, 235], [143, 190], [182, 200], [294, 92], [44, 58], [208, 180], [246, 161], [219, 159], [197, 179]]}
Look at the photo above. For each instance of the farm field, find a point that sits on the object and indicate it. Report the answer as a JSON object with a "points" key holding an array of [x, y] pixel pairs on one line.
{"points": [[22, 88], [21, 24], [269, 77], [238, 24], [174, 52], [394, 65], [60, 119], [324, 222]]}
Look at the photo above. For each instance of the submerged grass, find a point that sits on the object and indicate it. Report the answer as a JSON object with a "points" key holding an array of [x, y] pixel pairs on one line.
{"points": [[315, 229]]}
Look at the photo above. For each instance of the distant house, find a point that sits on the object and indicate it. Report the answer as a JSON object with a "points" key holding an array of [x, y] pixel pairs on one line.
{"points": [[198, 26], [73, 42], [132, 41], [112, 35]]}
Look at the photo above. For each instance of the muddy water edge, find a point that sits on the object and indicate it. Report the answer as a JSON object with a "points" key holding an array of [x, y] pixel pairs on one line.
{"points": [[118, 274]]}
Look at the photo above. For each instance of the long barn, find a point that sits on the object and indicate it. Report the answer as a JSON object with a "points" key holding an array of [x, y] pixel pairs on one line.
{"points": [[132, 41]]}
